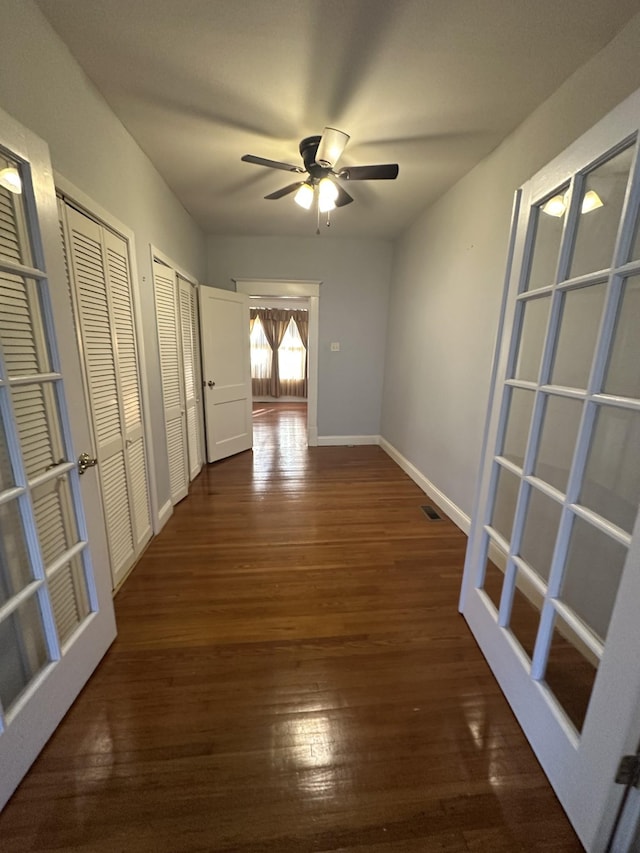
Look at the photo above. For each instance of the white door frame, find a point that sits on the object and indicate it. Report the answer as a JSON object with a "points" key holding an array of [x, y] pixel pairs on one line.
{"points": [[84, 203], [304, 289]]}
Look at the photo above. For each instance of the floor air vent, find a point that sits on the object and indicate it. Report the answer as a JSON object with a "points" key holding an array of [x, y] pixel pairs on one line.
{"points": [[431, 514]]}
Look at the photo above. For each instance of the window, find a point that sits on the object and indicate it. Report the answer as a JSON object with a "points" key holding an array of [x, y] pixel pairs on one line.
{"points": [[260, 352], [292, 355]]}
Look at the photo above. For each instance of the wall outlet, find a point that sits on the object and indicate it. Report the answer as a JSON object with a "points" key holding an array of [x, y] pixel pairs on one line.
{"points": [[335, 346]]}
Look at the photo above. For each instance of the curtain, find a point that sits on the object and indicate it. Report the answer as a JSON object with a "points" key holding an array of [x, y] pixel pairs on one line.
{"points": [[301, 319], [261, 356]]}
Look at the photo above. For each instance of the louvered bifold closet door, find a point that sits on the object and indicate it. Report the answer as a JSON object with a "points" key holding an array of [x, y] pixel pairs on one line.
{"points": [[192, 380], [172, 381], [128, 376], [99, 346]]}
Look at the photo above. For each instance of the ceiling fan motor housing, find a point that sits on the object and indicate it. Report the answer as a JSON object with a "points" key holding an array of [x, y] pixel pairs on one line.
{"points": [[308, 150]]}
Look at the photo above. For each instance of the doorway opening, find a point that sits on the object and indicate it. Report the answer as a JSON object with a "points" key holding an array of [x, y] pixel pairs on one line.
{"points": [[284, 319]]}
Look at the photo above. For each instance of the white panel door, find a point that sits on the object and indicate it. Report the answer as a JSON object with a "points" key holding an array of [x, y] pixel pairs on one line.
{"points": [[187, 304], [226, 371], [167, 317], [552, 578], [56, 613]]}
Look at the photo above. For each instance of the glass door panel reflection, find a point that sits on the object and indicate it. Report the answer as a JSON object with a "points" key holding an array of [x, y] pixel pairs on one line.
{"points": [[623, 371], [600, 207], [517, 426], [505, 502], [533, 328], [541, 525], [581, 315], [593, 569], [549, 222], [557, 440], [611, 482]]}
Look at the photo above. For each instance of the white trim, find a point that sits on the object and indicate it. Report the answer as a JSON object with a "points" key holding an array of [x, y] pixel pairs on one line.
{"points": [[164, 514], [453, 511], [95, 211], [311, 291], [276, 287], [157, 255], [347, 440]]}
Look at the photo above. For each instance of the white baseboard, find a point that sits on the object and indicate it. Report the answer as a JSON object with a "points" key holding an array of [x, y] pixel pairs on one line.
{"points": [[312, 435], [350, 440], [164, 514], [453, 511]]}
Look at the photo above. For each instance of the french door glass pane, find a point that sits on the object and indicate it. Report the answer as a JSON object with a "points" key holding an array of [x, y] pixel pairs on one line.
{"points": [[581, 314], [53, 510], [23, 344], [540, 531], [517, 426], [571, 672], [7, 480], [532, 334], [598, 225], [623, 372], [23, 650], [505, 503], [592, 575], [546, 248], [525, 616], [69, 598], [15, 571], [557, 440], [36, 412], [611, 484], [493, 579], [14, 241]]}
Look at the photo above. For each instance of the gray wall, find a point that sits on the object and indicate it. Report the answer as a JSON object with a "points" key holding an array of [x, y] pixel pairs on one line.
{"points": [[448, 275], [353, 311], [43, 87]]}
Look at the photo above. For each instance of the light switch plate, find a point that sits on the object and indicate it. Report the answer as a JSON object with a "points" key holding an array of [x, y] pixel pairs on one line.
{"points": [[335, 346]]}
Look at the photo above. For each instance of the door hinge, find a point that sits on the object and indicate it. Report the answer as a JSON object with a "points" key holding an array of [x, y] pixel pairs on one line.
{"points": [[629, 771]]}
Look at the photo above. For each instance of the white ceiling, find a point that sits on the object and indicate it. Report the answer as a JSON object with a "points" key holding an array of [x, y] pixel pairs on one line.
{"points": [[433, 85]]}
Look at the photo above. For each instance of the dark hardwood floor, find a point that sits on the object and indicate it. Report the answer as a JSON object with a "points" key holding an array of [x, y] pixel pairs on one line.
{"points": [[291, 675]]}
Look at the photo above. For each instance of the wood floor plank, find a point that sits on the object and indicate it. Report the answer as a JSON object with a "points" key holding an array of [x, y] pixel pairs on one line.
{"points": [[291, 674]]}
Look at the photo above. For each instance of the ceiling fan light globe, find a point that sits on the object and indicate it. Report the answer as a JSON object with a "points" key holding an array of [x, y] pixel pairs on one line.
{"points": [[331, 146], [326, 204], [556, 206], [327, 190], [10, 180], [591, 201], [304, 196]]}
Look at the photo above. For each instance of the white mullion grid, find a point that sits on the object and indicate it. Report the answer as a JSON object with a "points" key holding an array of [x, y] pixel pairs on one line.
{"points": [[14, 268], [602, 400], [65, 558], [11, 494], [571, 509], [34, 378], [19, 598], [52, 474]]}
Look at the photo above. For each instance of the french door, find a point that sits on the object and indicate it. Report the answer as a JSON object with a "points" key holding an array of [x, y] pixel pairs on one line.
{"points": [[56, 613], [552, 577]]}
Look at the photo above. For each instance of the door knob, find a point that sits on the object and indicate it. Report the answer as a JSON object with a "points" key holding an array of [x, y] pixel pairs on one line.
{"points": [[85, 461], [211, 383]]}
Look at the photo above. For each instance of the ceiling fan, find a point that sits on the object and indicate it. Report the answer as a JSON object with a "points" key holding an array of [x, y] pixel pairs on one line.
{"points": [[320, 155]]}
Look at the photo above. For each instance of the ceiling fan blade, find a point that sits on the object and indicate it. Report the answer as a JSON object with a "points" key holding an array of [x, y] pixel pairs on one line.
{"points": [[330, 147], [272, 164], [343, 197], [387, 172], [285, 190]]}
